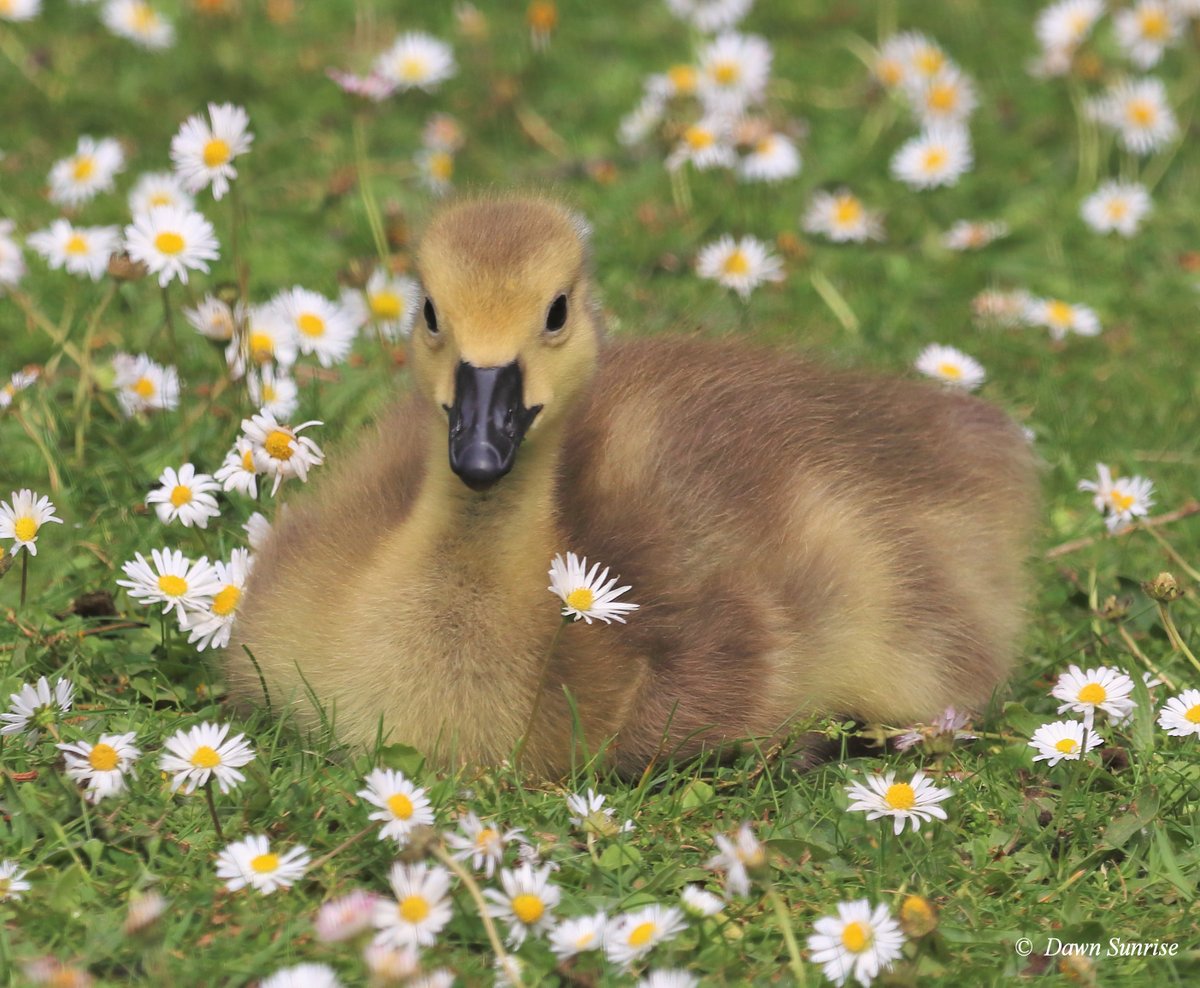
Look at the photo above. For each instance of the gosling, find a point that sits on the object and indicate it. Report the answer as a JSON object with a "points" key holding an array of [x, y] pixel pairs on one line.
{"points": [[801, 541]]}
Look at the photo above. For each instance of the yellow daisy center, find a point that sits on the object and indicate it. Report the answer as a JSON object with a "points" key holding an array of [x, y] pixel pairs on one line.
{"points": [[486, 837], [929, 61], [226, 600], [414, 908], [248, 461], [168, 242], [683, 78], [1122, 502], [1079, 23], [268, 393], [641, 935], [278, 445], [413, 68], [216, 152], [161, 199], [1092, 693], [1059, 313], [103, 757], [581, 599], [1193, 714], [76, 245], [585, 940], [856, 937], [698, 138], [1117, 209], [310, 324], [846, 210], [144, 19], [262, 347], [1154, 24], [1068, 746], [952, 371], [942, 98], [400, 805], [935, 158], [25, 529], [172, 586], [181, 495], [736, 263], [441, 166], [890, 72], [386, 305], [726, 73], [264, 864], [205, 757], [1141, 113], [143, 387], [84, 168], [528, 908], [900, 796], [766, 145]]}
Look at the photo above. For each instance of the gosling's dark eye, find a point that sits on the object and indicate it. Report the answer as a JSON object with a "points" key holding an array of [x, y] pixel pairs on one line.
{"points": [[556, 318], [430, 316]]}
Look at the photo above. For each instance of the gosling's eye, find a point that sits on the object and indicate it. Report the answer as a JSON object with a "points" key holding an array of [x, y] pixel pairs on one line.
{"points": [[430, 316], [556, 318]]}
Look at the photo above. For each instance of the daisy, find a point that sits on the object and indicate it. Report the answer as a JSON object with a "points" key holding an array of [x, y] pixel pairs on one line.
{"points": [[939, 156], [584, 594], [1179, 717], [402, 806], [252, 862], [1120, 498], [269, 338], [1102, 688], [738, 858], [21, 519], [238, 472], [842, 217], [212, 626], [392, 965], [699, 902], [12, 262], [883, 796], [679, 80], [527, 902], [35, 707], [170, 240], [417, 61], [742, 265], [483, 843], [89, 171], [908, 57], [101, 765], [145, 909], [174, 580], [629, 937], [710, 16], [969, 235], [589, 813], [640, 122], [435, 169], [858, 942], [669, 978], [81, 250], [320, 326], [442, 132], [257, 529], [1063, 26], [273, 390], [203, 149], [198, 753], [734, 69], [373, 86], [1116, 207], [1061, 317], [774, 158], [419, 911], [577, 936], [945, 99], [12, 881], [19, 10], [17, 383], [154, 189], [138, 22], [1145, 30], [705, 144], [1138, 110], [212, 319], [1006, 309], [951, 366], [947, 727], [347, 917], [388, 302], [143, 385], [1063, 739], [185, 495], [303, 976], [280, 450]]}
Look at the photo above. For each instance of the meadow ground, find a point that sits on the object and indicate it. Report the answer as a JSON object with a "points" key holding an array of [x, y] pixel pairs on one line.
{"points": [[1099, 847]]}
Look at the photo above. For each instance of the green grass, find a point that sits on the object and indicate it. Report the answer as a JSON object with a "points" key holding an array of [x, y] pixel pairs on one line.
{"points": [[1083, 852]]}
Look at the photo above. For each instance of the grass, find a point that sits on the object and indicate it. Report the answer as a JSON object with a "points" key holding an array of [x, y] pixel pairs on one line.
{"points": [[1106, 847]]}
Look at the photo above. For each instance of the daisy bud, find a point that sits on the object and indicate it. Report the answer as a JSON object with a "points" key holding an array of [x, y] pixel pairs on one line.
{"points": [[1115, 608], [122, 267], [918, 918], [1164, 588]]}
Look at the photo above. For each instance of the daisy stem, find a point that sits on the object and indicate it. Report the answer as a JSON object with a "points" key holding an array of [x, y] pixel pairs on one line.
{"points": [[166, 642], [489, 927], [212, 811], [169, 322], [1173, 633], [1141, 656], [537, 696], [1171, 551], [789, 937], [370, 828], [370, 207], [24, 574]]}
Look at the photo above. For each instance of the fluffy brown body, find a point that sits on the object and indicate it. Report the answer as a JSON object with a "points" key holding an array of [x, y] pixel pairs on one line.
{"points": [[800, 541]]}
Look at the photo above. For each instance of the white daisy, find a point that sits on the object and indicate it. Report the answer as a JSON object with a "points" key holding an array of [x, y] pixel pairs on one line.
{"points": [[1139, 112], [268, 338], [417, 61], [81, 250], [903, 801], [1146, 29], [1120, 498], [252, 862], [346, 917], [402, 805], [415, 917], [101, 765], [18, 382], [142, 385], [435, 169], [584, 594], [945, 99], [19, 10], [257, 529], [589, 813], [1061, 317], [668, 978], [1101, 688], [138, 22], [273, 390], [1179, 717], [1116, 207], [939, 156], [742, 264], [738, 858], [527, 902], [169, 240], [392, 965], [710, 16], [773, 158], [12, 261], [184, 495], [303, 976], [631, 936], [974, 235], [238, 472], [1004, 308], [280, 450], [482, 842], [642, 121], [734, 69], [319, 326], [1063, 739], [174, 581], [12, 881], [577, 936], [387, 302], [35, 707], [198, 753], [211, 627], [154, 189], [699, 902], [203, 150], [705, 144], [22, 518], [89, 171], [842, 217], [908, 57], [145, 909], [858, 942], [212, 319], [951, 366], [1063, 26]]}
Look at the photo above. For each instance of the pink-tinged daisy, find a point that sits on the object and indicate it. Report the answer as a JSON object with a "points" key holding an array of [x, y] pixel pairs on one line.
{"points": [[101, 766], [586, 594], [212, 626], [199, 753], [203, 150], [903, 801], [739, 858], [33, 708], [252, 862], [89, 171], [946, 728], [1116, 207], [402, 806], [939, 156], [482, 842], [841, 217], [280, 450], [442, 132], [1102, 688], [416, 61], [22, 517], [373, 86], [346, 917], [144, 386], [857, 943], [527, 903], [1180, 715], [974, 235], [81, 250], [951, 366], [420, 909], [174, 581], [1063, 740], [1061, 317], [742, 264], [185, 496]]}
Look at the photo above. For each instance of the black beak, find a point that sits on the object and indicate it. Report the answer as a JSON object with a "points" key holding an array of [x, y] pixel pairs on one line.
{"points": [[487, 423]]}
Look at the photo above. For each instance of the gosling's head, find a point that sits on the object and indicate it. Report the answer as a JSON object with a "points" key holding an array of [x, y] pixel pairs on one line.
{"points": [[509, 333]]}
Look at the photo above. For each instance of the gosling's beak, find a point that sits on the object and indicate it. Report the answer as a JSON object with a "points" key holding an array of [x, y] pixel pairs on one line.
{"points": [[487, 423]]}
